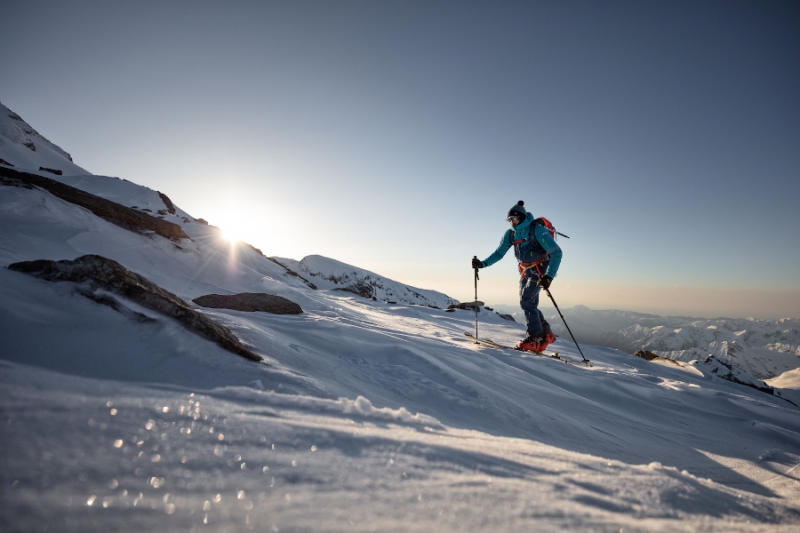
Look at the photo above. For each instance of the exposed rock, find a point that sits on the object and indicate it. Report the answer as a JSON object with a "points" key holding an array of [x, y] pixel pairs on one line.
{"points": [[506, 317], [359, 287], [650, 356], [115, 213], [472, 306], [167, 202], [250, 302], [330, 274], [4, 162], [52, 171], [29, 145], [293, 273], [98, 274], [13, 182]]}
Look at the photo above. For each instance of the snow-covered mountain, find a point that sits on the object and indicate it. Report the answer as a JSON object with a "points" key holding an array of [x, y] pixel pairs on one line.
{"points": [[121, 411], [328, 273], [762, 348], [23, 147]]}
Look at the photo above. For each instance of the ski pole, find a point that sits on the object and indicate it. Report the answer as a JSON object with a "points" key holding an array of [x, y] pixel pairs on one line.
{"points": [[476, 301], [565, 323]]}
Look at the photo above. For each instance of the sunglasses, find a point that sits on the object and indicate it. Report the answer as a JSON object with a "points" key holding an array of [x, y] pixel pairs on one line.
{"points": [[513, 218]]}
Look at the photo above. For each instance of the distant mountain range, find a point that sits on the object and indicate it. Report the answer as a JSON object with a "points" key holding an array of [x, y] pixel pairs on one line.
{"points": [[762, 348]]}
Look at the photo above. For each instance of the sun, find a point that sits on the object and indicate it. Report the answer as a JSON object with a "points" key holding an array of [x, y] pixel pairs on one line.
{"points": [[233, 225], [230, 234]]}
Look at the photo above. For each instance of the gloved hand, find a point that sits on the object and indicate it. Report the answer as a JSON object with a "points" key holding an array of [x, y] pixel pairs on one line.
{"points": [[545, 281], [476, 263]]}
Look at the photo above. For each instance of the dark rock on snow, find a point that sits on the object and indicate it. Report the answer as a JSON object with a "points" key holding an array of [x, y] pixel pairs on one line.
{"points": [[472, 306], [650, 356], [52, 171], [293, 273], [167, 202], [97, 273], [250, 301], [115, 213]]}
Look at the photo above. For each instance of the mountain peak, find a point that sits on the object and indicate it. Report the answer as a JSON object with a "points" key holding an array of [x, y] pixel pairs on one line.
{"points": [[24, 148]]}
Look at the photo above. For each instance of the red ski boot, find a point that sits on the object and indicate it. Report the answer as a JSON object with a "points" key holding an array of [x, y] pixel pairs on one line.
{"points": [[537, 345]]}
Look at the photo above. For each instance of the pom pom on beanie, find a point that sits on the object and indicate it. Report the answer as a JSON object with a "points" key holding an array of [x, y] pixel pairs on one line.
{"points": [[518, 210]]}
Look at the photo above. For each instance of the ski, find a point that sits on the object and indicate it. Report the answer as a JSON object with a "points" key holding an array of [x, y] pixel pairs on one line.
{"points": [[489, 343]]}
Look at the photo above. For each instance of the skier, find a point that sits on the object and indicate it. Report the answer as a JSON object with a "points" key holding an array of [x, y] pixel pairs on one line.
{"points": [[538, 258]]}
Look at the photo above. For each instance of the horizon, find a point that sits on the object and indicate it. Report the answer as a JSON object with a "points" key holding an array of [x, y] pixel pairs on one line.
{"points": [[662, 138]]}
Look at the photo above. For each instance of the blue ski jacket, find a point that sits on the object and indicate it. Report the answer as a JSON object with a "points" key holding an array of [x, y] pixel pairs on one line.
{"points": [[541, 246]]}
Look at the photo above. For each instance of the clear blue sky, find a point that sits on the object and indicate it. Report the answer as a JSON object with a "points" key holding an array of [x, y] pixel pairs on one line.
{"points": [[663, 137]]}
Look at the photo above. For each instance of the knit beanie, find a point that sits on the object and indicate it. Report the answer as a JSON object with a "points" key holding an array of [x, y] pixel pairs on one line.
{"points": [[518, 210]]}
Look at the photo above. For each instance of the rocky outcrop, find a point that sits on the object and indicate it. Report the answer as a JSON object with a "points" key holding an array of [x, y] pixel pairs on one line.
{"points": [[292, 272], [472, 306], [250, 302], [167, 202], [330, 274], [650, 356], [128, 218], [97, 274], [52, 171]]}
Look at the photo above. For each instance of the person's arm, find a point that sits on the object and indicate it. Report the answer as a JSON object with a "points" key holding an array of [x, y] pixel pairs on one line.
{"points": [[505, 244], [554, 250]]}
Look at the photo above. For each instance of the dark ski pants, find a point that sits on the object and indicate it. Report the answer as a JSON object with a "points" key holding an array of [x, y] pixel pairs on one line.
{"points": [[537, 326]]}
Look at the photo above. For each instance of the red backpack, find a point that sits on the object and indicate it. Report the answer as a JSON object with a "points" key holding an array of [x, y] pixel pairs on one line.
{"points": [[549, 225]]}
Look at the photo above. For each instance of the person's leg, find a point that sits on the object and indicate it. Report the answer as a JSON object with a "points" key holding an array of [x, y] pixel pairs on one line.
{"points": [[529, 301], [546, 329], [539, 333]]}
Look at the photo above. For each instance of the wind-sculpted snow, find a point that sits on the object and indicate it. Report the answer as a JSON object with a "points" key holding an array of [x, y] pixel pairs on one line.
{"points": [[328, 273]]}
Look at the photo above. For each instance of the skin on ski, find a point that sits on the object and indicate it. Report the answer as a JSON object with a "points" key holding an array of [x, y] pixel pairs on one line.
{"points": [[491, 344], [488, 343]]}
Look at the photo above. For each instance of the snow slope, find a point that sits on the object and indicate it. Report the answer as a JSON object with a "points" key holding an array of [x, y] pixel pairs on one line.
{"points": [[329, 273], [384, 417], [25, 149], [364, 416]]}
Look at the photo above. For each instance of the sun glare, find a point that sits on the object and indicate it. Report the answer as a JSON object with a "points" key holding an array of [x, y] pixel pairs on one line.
{"points": [[230, 234], [232, 225]]}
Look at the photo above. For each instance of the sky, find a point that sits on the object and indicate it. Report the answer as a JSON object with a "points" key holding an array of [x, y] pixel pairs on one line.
{"points": [[662, 137]]}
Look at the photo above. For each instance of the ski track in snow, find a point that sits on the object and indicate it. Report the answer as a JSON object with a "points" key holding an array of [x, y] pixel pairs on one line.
{"points": [[366, 416]]}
